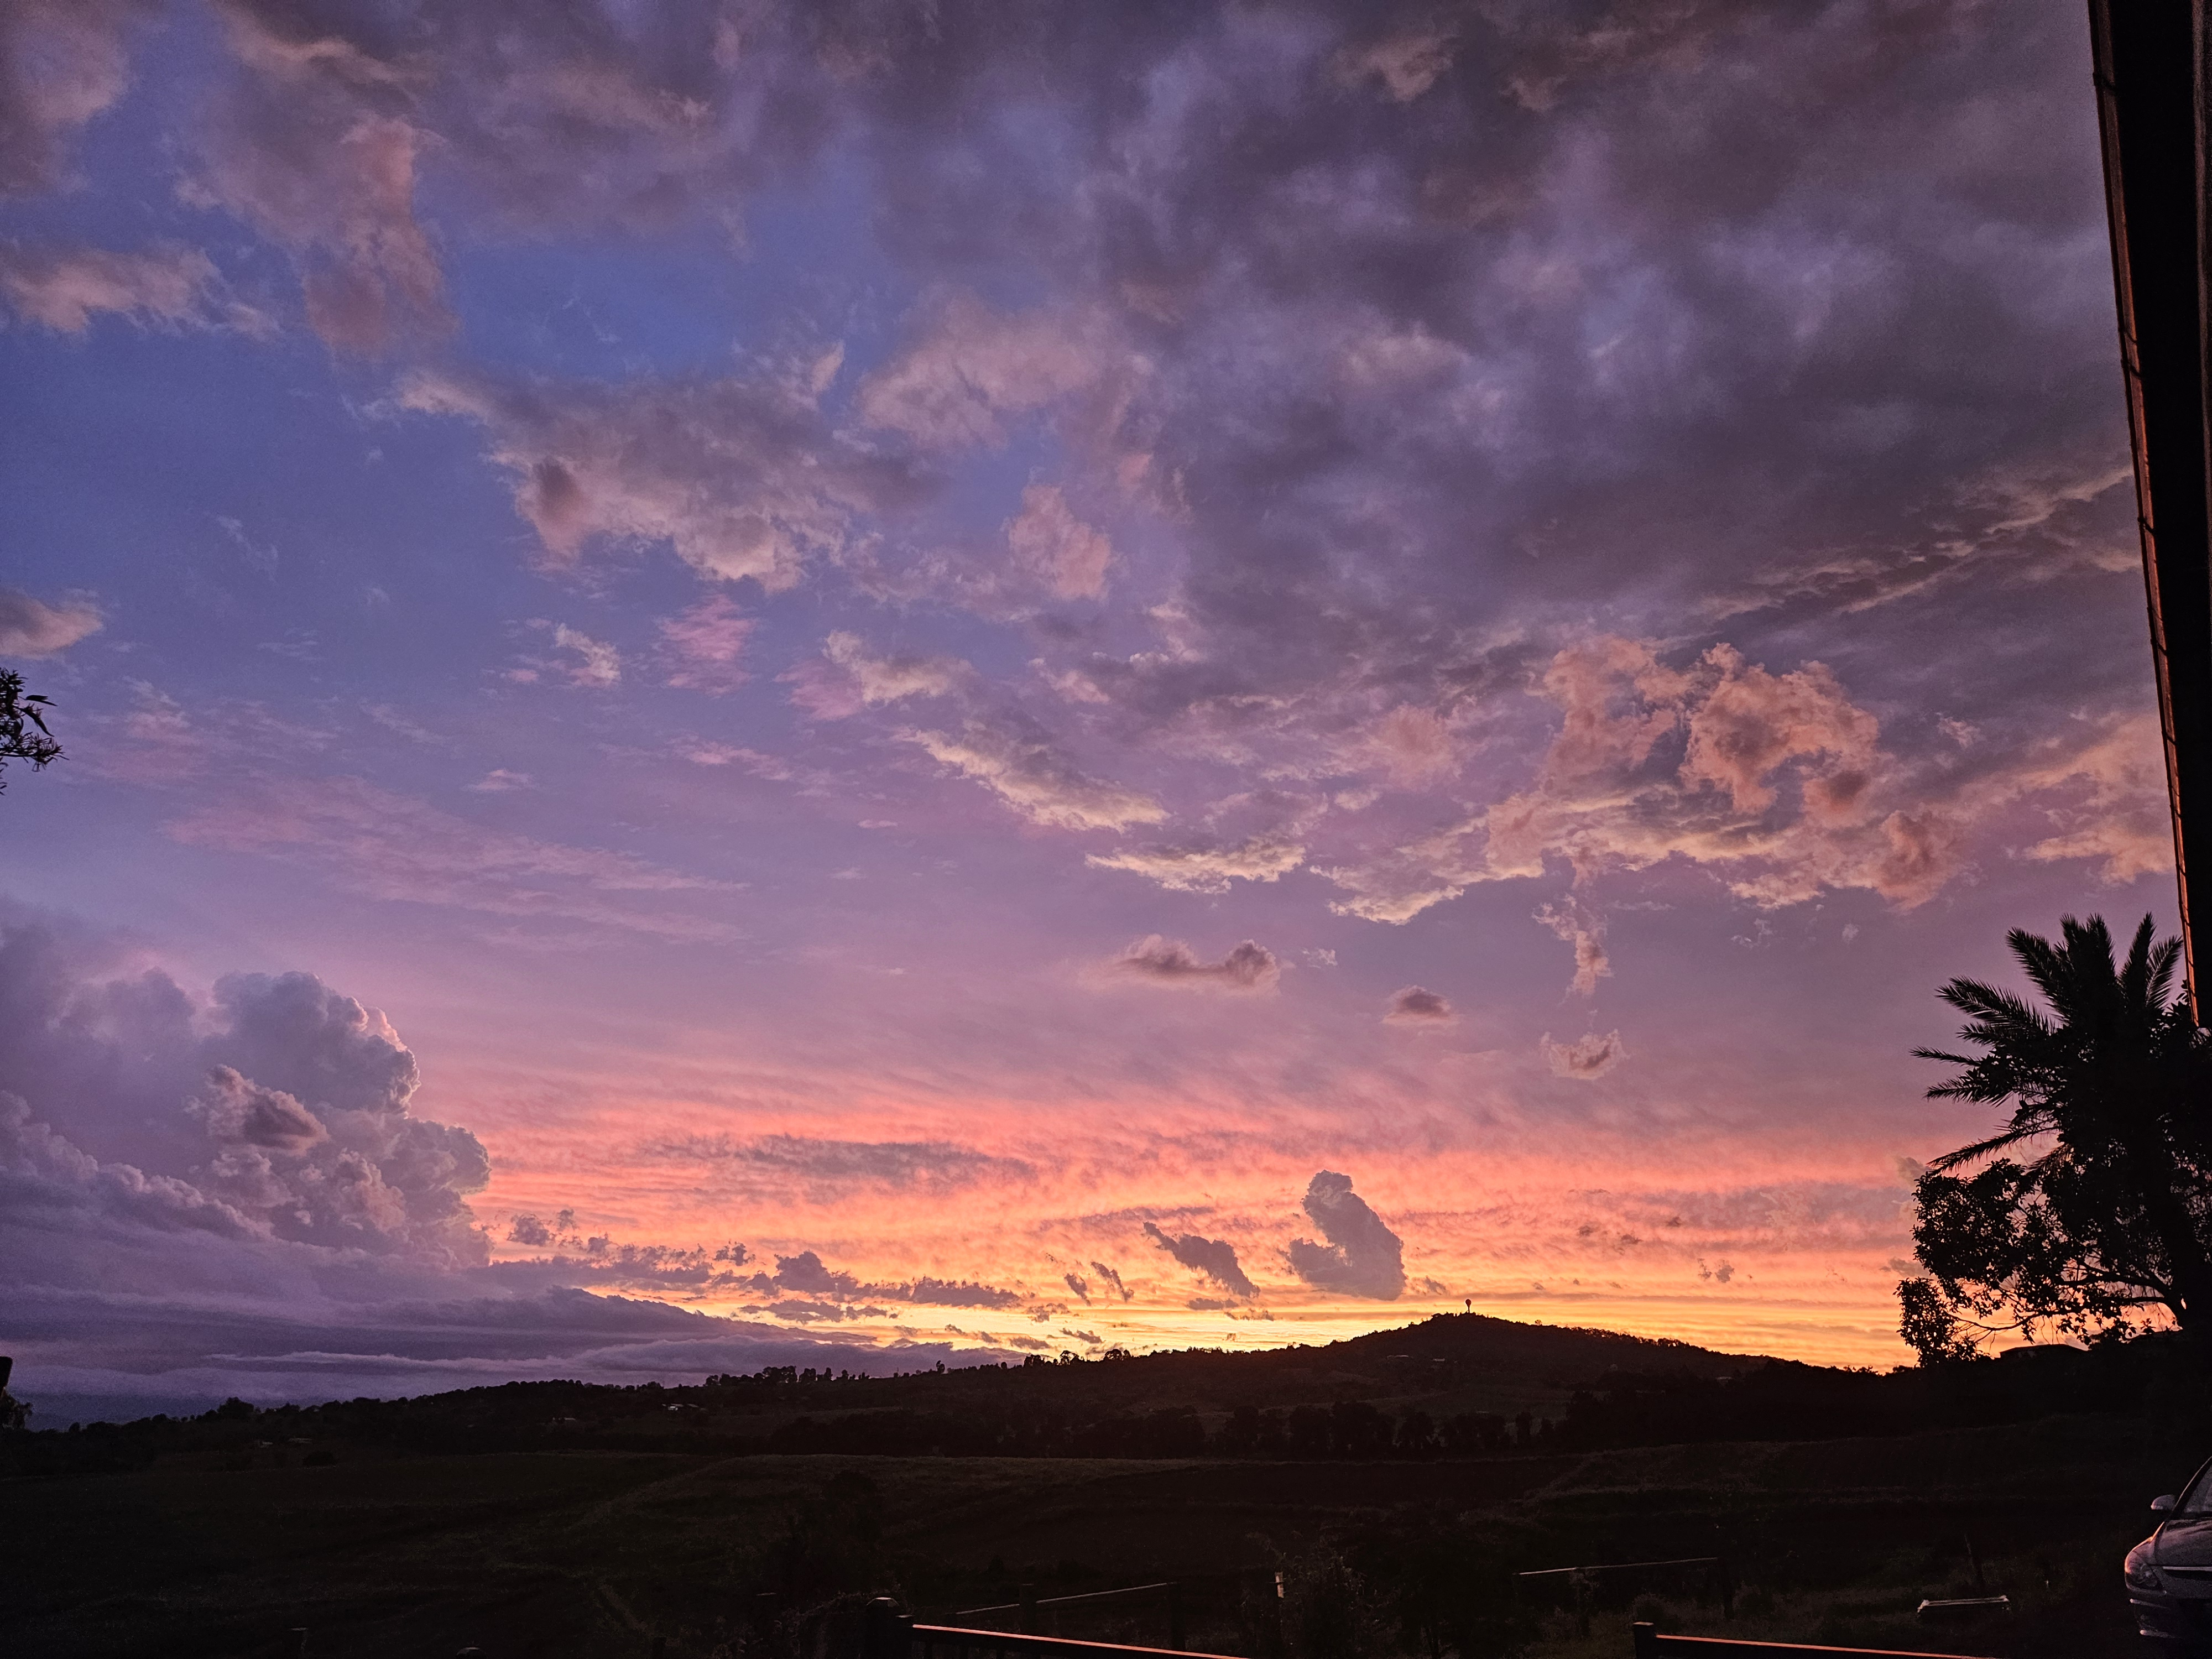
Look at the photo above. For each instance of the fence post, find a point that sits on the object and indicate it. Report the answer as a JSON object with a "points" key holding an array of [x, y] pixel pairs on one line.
{"points": [[1647, 1639], [1582, 1586], [1027, 1597], [1175, 1616], [883, 1633]]}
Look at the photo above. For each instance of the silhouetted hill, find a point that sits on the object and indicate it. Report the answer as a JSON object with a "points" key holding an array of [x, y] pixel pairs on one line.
{"points": [[1455, 1386]]}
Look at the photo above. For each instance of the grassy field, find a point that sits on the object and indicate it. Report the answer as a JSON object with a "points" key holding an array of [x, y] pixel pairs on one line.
{"points": [[593, 1552]]}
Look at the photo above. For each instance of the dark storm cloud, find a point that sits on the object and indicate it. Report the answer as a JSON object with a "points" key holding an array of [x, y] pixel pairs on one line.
{"points": [[806, 1274], [1168, 961], [1214, 1257], [1112, 1277], [1362, 1256], [1411, 1005], [92, 1354], [230, 1194], [1407, 331]]}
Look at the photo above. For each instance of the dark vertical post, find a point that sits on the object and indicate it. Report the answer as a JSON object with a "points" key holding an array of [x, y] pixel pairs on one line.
{"points": [[2149, 69], [1175, 1616], [1026, 1595], [1647, 1639], [884, 1632]]}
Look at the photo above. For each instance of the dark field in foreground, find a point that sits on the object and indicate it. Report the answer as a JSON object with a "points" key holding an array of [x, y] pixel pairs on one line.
{"points": [[593, 1552]]}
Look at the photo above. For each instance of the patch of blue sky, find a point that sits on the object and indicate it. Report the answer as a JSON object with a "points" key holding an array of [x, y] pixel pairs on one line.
{"points": [[216, 494], [122, 169], [803, 274]]}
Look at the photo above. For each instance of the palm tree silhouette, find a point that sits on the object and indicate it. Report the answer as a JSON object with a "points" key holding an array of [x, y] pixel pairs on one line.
{"points": [[2116, 1211]]}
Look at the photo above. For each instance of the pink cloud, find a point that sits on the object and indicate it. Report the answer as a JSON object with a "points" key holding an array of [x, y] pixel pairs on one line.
{"points": [[317, 145], [966, 370], [64, 288], [31, 627], [62, 62], [1586, 1058], [705, 642], [1066, 553], [741, 478]]}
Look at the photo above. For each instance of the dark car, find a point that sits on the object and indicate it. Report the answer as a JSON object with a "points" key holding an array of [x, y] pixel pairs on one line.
{"points": [[2169, 1574]]}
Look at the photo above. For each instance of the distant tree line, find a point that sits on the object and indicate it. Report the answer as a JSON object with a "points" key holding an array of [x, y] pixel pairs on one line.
{"points": [[787, 1410]]}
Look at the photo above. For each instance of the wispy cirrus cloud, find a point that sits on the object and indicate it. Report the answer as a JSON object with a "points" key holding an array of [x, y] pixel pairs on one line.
{"points": [[64, 288], [388, 846]]}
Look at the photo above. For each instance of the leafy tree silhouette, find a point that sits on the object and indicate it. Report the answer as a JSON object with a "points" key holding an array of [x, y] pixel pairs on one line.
{"points": [[2091, 1209], [23, 734]]}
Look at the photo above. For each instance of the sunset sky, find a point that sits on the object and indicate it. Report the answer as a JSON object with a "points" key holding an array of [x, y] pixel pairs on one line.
{"points": [[842, 683]]}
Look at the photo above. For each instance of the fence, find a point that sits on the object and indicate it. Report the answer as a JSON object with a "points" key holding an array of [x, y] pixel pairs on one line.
{"points": [[1712, 1573], [1029, 1613], [1650, 1644], [887, 1633]]}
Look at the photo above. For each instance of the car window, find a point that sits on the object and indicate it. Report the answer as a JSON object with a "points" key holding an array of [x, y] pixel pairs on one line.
{"points": [[2196, 1496]]}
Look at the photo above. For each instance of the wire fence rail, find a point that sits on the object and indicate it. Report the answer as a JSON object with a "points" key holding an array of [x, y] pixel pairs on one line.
{"points": [[887, 1632], [1032, 1614], [1650, 1644]]}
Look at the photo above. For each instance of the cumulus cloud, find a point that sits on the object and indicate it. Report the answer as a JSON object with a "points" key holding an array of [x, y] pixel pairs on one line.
{"points": [[1048, 541], [1586, 1058], [740, 479], [1216, 1258], [1206, 869], [316, 144], [1406, 66], [64, 288], [1413, 1005], [238, 1111], [276, 1109], [1777, 782], [2110, 789], [1363, 1257], [848, 678], [1028, 771], [32, 628], [1159, 961], [967, 370], [1411, 745]]}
